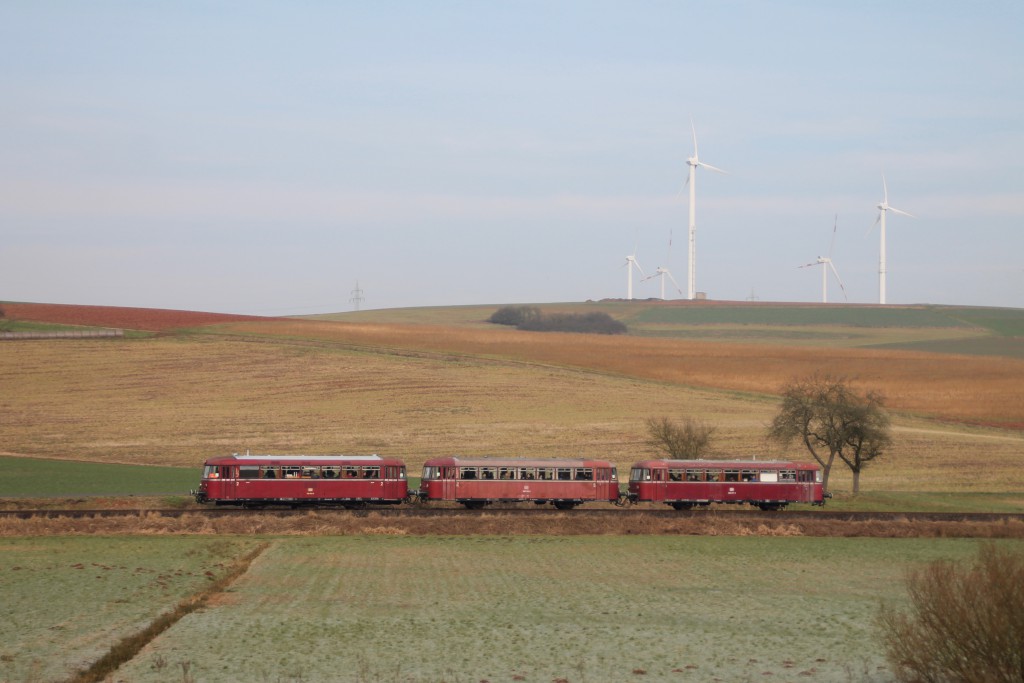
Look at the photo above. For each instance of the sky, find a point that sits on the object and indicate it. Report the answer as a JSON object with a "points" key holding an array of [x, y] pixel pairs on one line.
{"points": [[265, 157]]}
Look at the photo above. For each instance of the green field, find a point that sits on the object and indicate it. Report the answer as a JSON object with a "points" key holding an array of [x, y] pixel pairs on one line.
{"points": [[940, 329], [429, 609], [67, 600], [40, 478]]}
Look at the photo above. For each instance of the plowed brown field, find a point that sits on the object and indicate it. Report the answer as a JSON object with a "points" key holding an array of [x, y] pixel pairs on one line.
{"points": [[144, 319]]}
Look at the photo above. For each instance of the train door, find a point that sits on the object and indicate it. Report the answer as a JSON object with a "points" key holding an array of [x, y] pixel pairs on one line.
{"points": [[658, 483], [449, 482], [394, 478], [228, 484]]}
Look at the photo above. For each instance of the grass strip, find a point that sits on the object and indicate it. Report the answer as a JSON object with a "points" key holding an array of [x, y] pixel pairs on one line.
{"points": [[129, 646]]}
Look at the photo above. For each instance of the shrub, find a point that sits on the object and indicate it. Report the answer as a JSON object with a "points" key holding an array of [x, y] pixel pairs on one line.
{"points": [[966, 623], [685, 441], [514, 315]]}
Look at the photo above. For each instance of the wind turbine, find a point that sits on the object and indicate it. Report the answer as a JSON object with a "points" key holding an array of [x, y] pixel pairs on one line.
{"points": [[826, 264], [691, 180], [660, 273], [630, 264], [883, 209]]}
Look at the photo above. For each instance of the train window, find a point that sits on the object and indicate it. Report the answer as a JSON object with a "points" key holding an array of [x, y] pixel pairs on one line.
{"points": [[371, 472], [401, 472], [564, 473], [817, 476], [748, 475], [467, 473], [675, 475], [694, 475], [506, 473], [769, 475], [268, 472], [805, 475], [290, 472], [787, 475], [615, 474], [248, 472], [487, 473], [639, 474], [350, 472], [546, 473], [430, 472], [584, 474], [527, 473], [713, 475], [310, 472], [331, 472], [732, 475]]}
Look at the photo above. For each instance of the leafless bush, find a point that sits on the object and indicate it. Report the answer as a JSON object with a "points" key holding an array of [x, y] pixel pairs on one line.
{"points": [[965, 623]]}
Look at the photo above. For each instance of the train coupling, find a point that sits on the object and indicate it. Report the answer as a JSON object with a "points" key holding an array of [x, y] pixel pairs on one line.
{"points": [[626, 499]]}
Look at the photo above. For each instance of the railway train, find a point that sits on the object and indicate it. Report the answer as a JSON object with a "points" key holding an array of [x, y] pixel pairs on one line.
{"points": [[255, 481]]}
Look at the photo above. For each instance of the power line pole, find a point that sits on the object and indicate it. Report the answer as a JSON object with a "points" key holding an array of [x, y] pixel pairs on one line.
{"points": [[357, 296]]}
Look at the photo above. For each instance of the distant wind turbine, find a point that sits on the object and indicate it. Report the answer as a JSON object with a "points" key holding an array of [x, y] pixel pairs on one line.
{"points": [[883, 209], [826, 264], [630, 264], [691, 180], [660, 273]]}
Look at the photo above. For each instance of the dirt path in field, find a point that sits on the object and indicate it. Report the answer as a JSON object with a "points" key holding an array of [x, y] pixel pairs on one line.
{"points": [[128, 647], [966, 435]]}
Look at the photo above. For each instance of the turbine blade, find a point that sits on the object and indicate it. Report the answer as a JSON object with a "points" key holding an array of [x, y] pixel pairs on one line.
{"points": [[885, 191], [839, 280], [637, 264], [808, 265], [835, 225], [694, 130], [674, 282], [878, 219], [902, 213], [711, 168]]}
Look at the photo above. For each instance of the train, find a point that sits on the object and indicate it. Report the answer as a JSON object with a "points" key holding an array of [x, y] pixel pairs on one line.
{"points": [[353, 481]]}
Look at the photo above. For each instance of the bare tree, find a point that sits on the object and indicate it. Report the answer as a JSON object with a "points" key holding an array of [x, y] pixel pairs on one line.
{"points": [[831, 419], [682, 441]]}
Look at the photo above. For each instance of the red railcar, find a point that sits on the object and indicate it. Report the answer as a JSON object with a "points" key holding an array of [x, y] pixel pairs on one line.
{"points": [[768, 484], [260, 480], [476, 482]]}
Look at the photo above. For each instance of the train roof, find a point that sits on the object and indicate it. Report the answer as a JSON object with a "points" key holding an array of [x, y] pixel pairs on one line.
{"points": [[457, 461], [740, 464], [323, 459]]}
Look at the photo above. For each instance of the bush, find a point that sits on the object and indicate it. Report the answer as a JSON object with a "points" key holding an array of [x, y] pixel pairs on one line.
{"points": [[686, 441], [514, 315], [531, 318], [966, 623]]}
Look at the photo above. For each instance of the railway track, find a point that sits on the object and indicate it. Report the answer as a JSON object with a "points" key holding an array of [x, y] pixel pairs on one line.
{"points": [[458, 513]]}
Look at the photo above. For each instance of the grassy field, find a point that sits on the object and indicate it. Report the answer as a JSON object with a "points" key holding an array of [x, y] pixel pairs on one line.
{"points": [[518, 609], [36, 477], [67, 600]]}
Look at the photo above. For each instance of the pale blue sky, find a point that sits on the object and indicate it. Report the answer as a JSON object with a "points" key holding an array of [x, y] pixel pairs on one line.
{"points": [[261, 157]]}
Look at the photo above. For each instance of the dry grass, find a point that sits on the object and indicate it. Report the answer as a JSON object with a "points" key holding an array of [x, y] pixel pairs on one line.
{"points": [[178, 400], [502, 524], [977, 390]]}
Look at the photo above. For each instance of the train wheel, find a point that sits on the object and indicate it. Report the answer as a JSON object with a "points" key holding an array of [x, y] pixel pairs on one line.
{"points": [[564, 505], [474, 504], [770, 507], [682, 506]]}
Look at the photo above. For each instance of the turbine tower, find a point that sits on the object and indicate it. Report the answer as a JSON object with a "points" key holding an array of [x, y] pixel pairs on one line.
{"points": [[826, 264], [691, 180], [630, 264], [883, 209]]}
